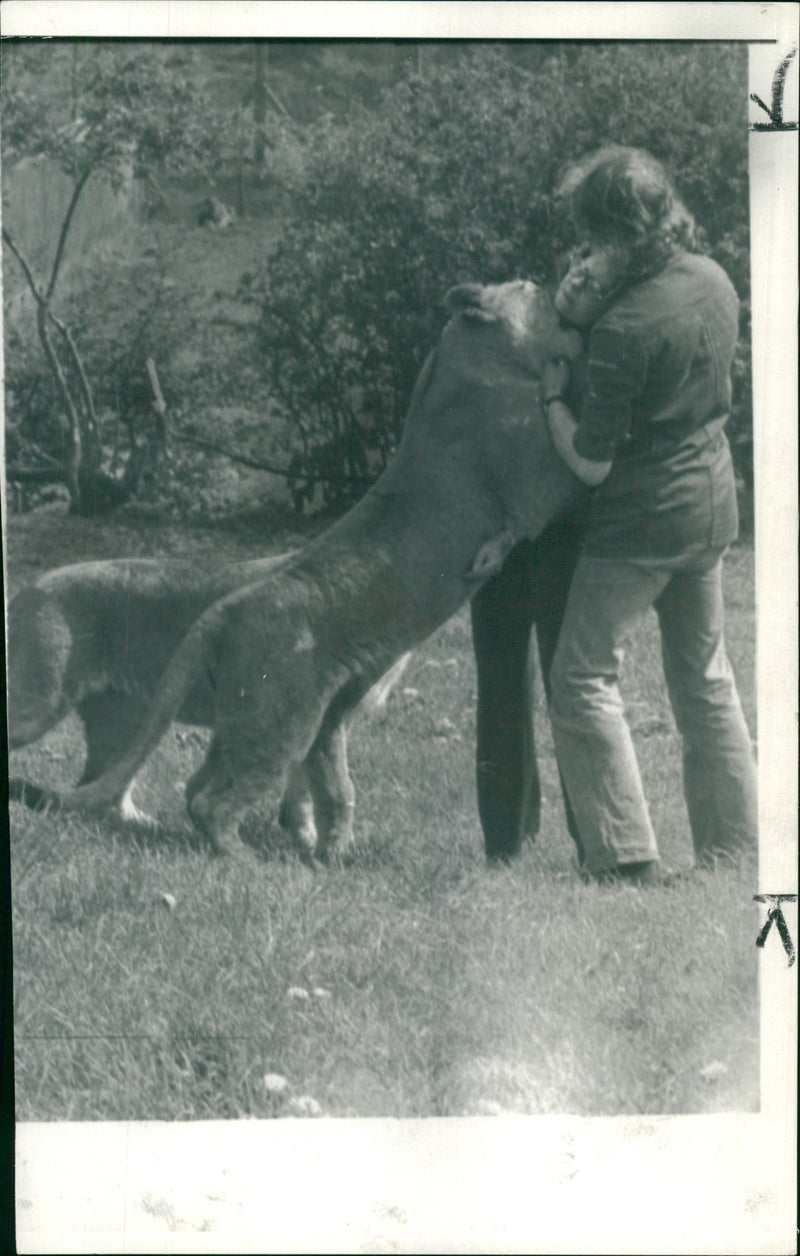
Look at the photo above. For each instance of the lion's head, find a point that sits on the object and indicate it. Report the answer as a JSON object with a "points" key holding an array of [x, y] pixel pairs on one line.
{"points": [[524, 312]]}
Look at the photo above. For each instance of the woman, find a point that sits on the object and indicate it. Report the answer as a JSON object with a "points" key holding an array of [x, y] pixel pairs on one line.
{"points": [[649, 438], [530, 591]]}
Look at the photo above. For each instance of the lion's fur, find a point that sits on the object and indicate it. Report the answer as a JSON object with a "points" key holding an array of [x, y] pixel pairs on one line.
{"points": [[95, 639], [107, 630], [290, 656]]}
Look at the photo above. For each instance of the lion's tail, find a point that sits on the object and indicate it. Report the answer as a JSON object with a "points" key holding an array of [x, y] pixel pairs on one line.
{"points": [[108, 789]]}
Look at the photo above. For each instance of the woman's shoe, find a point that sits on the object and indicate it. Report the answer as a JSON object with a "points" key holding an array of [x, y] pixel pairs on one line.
{"points": [[645, 872]]}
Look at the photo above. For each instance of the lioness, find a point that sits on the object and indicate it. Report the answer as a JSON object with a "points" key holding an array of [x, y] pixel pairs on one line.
{"points": [[287, 658], [95, 638]]}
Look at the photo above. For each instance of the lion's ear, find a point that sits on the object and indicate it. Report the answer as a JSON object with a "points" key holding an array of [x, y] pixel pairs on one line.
{"points": [[468, 298]]}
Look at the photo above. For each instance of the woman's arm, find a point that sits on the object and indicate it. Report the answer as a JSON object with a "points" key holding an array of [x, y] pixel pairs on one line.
{"points": [[562, 426], [562, 429]]}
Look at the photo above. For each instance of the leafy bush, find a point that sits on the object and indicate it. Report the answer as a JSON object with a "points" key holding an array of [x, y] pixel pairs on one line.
{"points": [[137, 304], [448, 179]]}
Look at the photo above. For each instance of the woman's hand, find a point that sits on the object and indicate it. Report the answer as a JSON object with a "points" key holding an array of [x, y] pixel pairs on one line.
{"points": [[555, 378]]}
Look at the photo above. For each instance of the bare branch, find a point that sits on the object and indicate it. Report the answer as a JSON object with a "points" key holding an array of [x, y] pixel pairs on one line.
{"points": [[47, 459], [286, 472], [159, 402], [75, 443], [43, 303], [91, 414], [199, 443], [279, 105], [36, 475], [15, 249], [65, 226]]}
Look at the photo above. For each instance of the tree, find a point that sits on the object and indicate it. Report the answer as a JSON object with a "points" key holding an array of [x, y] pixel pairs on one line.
{"points": [[97, 111]]}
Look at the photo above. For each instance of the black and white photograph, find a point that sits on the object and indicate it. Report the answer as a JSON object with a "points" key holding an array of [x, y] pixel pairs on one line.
{"points": [[401, 650]]}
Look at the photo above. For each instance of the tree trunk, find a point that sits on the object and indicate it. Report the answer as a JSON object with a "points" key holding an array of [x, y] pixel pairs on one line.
{"points": [[80, 471], [74, 443]]}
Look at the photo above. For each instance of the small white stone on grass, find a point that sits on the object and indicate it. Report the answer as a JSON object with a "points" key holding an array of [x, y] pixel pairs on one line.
{"points": [[168, 900], [297, 992], [303, 1105], [319, 992], [713, 1071], [489, 1107], [275, 1084]]}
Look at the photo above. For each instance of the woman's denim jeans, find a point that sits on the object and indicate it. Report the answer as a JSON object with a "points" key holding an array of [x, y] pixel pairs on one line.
{"points": [[593, 742]]}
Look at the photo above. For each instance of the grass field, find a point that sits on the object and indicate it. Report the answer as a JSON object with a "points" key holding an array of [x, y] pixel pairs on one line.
{"points": [[414, 982]]}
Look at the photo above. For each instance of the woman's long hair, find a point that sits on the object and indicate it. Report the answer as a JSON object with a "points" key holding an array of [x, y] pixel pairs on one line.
{"points": [[623, 196]]}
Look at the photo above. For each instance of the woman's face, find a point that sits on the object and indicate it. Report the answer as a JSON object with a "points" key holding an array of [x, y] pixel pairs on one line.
{"points": [[595, 272]]}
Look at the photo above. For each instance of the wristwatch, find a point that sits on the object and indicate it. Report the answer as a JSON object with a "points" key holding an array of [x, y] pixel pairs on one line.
{"points": [[549, 400]]}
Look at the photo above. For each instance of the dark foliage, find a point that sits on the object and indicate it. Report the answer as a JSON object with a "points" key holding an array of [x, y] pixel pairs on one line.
{"points": [[393, 171], [448, 177]]}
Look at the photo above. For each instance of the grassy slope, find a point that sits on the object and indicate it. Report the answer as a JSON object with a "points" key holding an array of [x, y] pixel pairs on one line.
{"points": [[447, 988]]}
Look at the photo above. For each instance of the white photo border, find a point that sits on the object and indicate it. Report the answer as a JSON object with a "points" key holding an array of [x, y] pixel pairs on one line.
{"points": [[511, 1184]]}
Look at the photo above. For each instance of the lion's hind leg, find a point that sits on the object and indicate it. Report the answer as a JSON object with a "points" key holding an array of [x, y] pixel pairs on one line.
{"points": [[218, 807], [332, 790], [241, 767], [270, 716], [110, 721], [297, 809], [202, 788]]}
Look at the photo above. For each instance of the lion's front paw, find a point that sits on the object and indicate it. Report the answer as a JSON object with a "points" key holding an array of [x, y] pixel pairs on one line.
{"points": [[491, 556], [129, 813]]}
